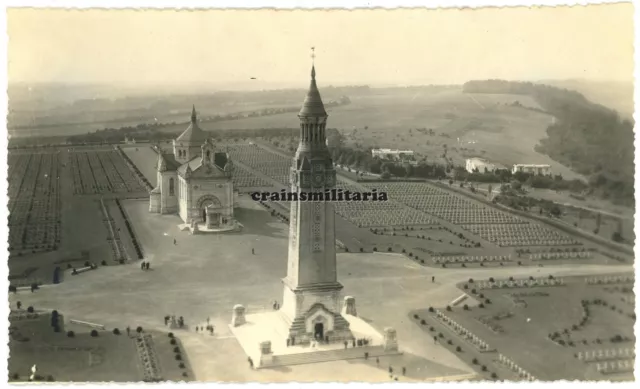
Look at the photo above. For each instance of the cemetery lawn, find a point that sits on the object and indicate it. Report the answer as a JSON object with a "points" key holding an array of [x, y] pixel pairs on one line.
{"points": [[541, 311]]}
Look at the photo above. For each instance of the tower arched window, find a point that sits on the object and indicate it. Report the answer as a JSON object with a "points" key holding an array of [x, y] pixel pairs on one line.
{"points": [[208, 155], [171, 187]]}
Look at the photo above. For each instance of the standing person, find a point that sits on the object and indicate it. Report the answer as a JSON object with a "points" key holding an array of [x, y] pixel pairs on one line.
{"points": [[142, 265], [435, 339], [250, 362], [211, 329], [148, 265], [377, 361], [128, 330], [390, 370], [346, 344], [404, 370], [208, 320], [196, 328], [175, 242], [166, 319], [253, 251], [433, 278], [19, 304]]}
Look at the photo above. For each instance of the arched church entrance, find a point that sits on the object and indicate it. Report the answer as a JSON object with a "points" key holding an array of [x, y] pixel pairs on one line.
{"points": [[209, 210]]}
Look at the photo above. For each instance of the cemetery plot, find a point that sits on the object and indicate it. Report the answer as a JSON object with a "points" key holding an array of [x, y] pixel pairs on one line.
{"points": [[372, 214], [553, 328], [514, 235], [100, 172], [242, 178], [34, 202], [445, 205], [270, 164], [493, 225]]}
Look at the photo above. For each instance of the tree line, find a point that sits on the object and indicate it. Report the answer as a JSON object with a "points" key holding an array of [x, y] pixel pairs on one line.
{"points": [[591, 139]]}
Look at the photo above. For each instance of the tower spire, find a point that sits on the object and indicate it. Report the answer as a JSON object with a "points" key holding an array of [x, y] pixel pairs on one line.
{"points": [[313, 63], [193, 114]]}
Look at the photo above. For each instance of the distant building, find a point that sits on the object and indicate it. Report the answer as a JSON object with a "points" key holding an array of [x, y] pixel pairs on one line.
{"points": [[532, 169], [480, 164], [394, 155]]}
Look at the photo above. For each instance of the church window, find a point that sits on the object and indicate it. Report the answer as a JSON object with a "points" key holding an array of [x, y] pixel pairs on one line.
{"points": [[171, 189], [208, 155]]}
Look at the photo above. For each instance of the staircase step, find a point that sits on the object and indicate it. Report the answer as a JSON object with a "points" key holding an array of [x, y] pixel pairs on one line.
{"points": [[327, 356]]}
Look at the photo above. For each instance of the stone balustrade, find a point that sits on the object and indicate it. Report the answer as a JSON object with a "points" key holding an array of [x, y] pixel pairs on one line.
{"points": [[520, 283], [522, 373], [606, 354], [146, 352], [615, 367], [606, 280], [560, 255], [471, 258], [463, 332]]}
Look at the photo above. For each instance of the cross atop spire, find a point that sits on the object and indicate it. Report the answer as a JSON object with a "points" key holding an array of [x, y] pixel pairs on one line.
{"points": [[313, 63], [193, 114]]}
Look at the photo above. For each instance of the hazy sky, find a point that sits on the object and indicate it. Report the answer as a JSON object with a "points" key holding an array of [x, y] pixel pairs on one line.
{"points": [[352, 47]]}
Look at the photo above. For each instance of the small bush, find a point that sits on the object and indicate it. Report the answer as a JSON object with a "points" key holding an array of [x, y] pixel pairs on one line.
{"points": [[423, 322], [475, 361], [30, 309], [459, 349], [116, 331], [481, 305], [494, 376], [71, 334], [450, 342], [484, 368], [171, 334], [176, 350], [182, 366], [431, 329], [94, 333], [415, 316], [449, 308], [431, 309], [173, 341], [139, 329], [178, 357]]}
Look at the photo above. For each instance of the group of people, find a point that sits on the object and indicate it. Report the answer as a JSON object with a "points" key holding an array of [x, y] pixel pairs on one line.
{"points": [[172, 319], [209, 327], [357, 342], [145, 265]]}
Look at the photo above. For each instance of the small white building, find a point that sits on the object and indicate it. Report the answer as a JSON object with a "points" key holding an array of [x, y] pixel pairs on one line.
{"points": [[532, 169], [480, 164]]}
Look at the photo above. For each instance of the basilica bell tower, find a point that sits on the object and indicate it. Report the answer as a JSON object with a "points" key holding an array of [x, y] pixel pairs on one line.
{"points": [[312, 294]]}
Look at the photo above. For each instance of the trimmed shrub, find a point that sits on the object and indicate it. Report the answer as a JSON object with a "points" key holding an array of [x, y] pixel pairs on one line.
{"points": [[449, 308], [182, 366], [116, 331], [71, 334], [423, 322], [171, 334], [139, 329], [178, 357], [94, 333], [30, 309], [459, 349], [173, 341], [475, 361], [176, 350]]}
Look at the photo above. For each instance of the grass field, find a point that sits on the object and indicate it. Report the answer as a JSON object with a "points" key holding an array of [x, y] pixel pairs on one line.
{"points": [[518, 323]]}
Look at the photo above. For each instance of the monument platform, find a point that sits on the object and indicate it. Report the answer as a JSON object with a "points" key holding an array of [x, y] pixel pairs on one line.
{"points": [[260, 328], [203, 229]]}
